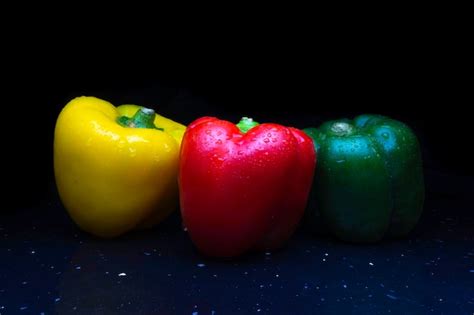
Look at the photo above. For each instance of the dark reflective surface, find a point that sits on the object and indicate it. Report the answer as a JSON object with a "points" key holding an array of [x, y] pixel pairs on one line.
{"points": [[48, 265]]}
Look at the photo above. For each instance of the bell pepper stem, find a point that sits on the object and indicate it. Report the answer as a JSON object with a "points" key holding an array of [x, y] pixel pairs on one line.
{"points": [[143, 118], [341, 128], [246, 123]]}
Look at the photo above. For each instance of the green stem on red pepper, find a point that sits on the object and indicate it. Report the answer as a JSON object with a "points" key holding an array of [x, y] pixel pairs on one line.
{"points": [[246, 123]]}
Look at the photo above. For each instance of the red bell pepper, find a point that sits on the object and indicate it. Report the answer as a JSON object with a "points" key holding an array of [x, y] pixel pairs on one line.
{"points": [[243, 187]]}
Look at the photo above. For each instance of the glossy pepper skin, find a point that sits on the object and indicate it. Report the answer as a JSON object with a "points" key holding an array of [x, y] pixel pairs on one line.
{"points": [[113, 177], [369, 179], [243, 187]]}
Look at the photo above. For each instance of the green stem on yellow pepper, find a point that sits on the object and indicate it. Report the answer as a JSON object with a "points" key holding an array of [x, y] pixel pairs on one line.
{"points": [[143, 118]]}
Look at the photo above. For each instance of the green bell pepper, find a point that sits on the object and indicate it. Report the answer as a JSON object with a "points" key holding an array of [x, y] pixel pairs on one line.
{"points": [[369, 179]]}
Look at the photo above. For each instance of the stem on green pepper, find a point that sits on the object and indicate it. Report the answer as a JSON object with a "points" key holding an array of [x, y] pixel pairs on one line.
{"points": [[341, 128]]}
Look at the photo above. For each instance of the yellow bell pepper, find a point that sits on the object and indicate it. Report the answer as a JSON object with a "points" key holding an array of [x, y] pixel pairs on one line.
{"points": [[116, 167]]}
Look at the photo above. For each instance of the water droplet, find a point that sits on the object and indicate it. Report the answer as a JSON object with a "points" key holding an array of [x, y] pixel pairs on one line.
{"points": [[269, 135], [208, 132], [240, 152], [266, 153], [385, 135], [219, 141], [266, 140]]}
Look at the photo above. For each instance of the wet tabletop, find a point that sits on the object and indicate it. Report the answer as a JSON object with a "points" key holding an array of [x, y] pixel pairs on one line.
{"points": [[48, 266]]}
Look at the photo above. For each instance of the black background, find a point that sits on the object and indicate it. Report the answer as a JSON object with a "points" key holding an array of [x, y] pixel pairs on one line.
{"points": [[300, 81]]}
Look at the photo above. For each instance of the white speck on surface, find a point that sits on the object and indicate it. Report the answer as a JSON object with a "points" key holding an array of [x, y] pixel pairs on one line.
{"points": [[122, 274], [215, 276], [246, 273], [22, 308], [24, 282], [147, 253], [169, 275], [441, 300], [78, 268], [201, 265], [471, 271], [323, 299], [106, 272], [258, 310], [195, 313], [370, 263], [277, 275], [324, 259], [268, 253], [390, 296], [262, 286], [326, 254], [33, 252], [57, 299], [344, 286]]}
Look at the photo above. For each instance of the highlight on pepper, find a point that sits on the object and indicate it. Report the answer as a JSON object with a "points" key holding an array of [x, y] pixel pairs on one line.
{"points": [[116, 168], [369, 180], [243, 186]]}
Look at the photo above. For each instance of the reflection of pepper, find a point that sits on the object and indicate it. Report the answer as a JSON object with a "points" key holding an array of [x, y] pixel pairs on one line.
{"points": [[115, 168], [369, 178], [243, 187]]}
